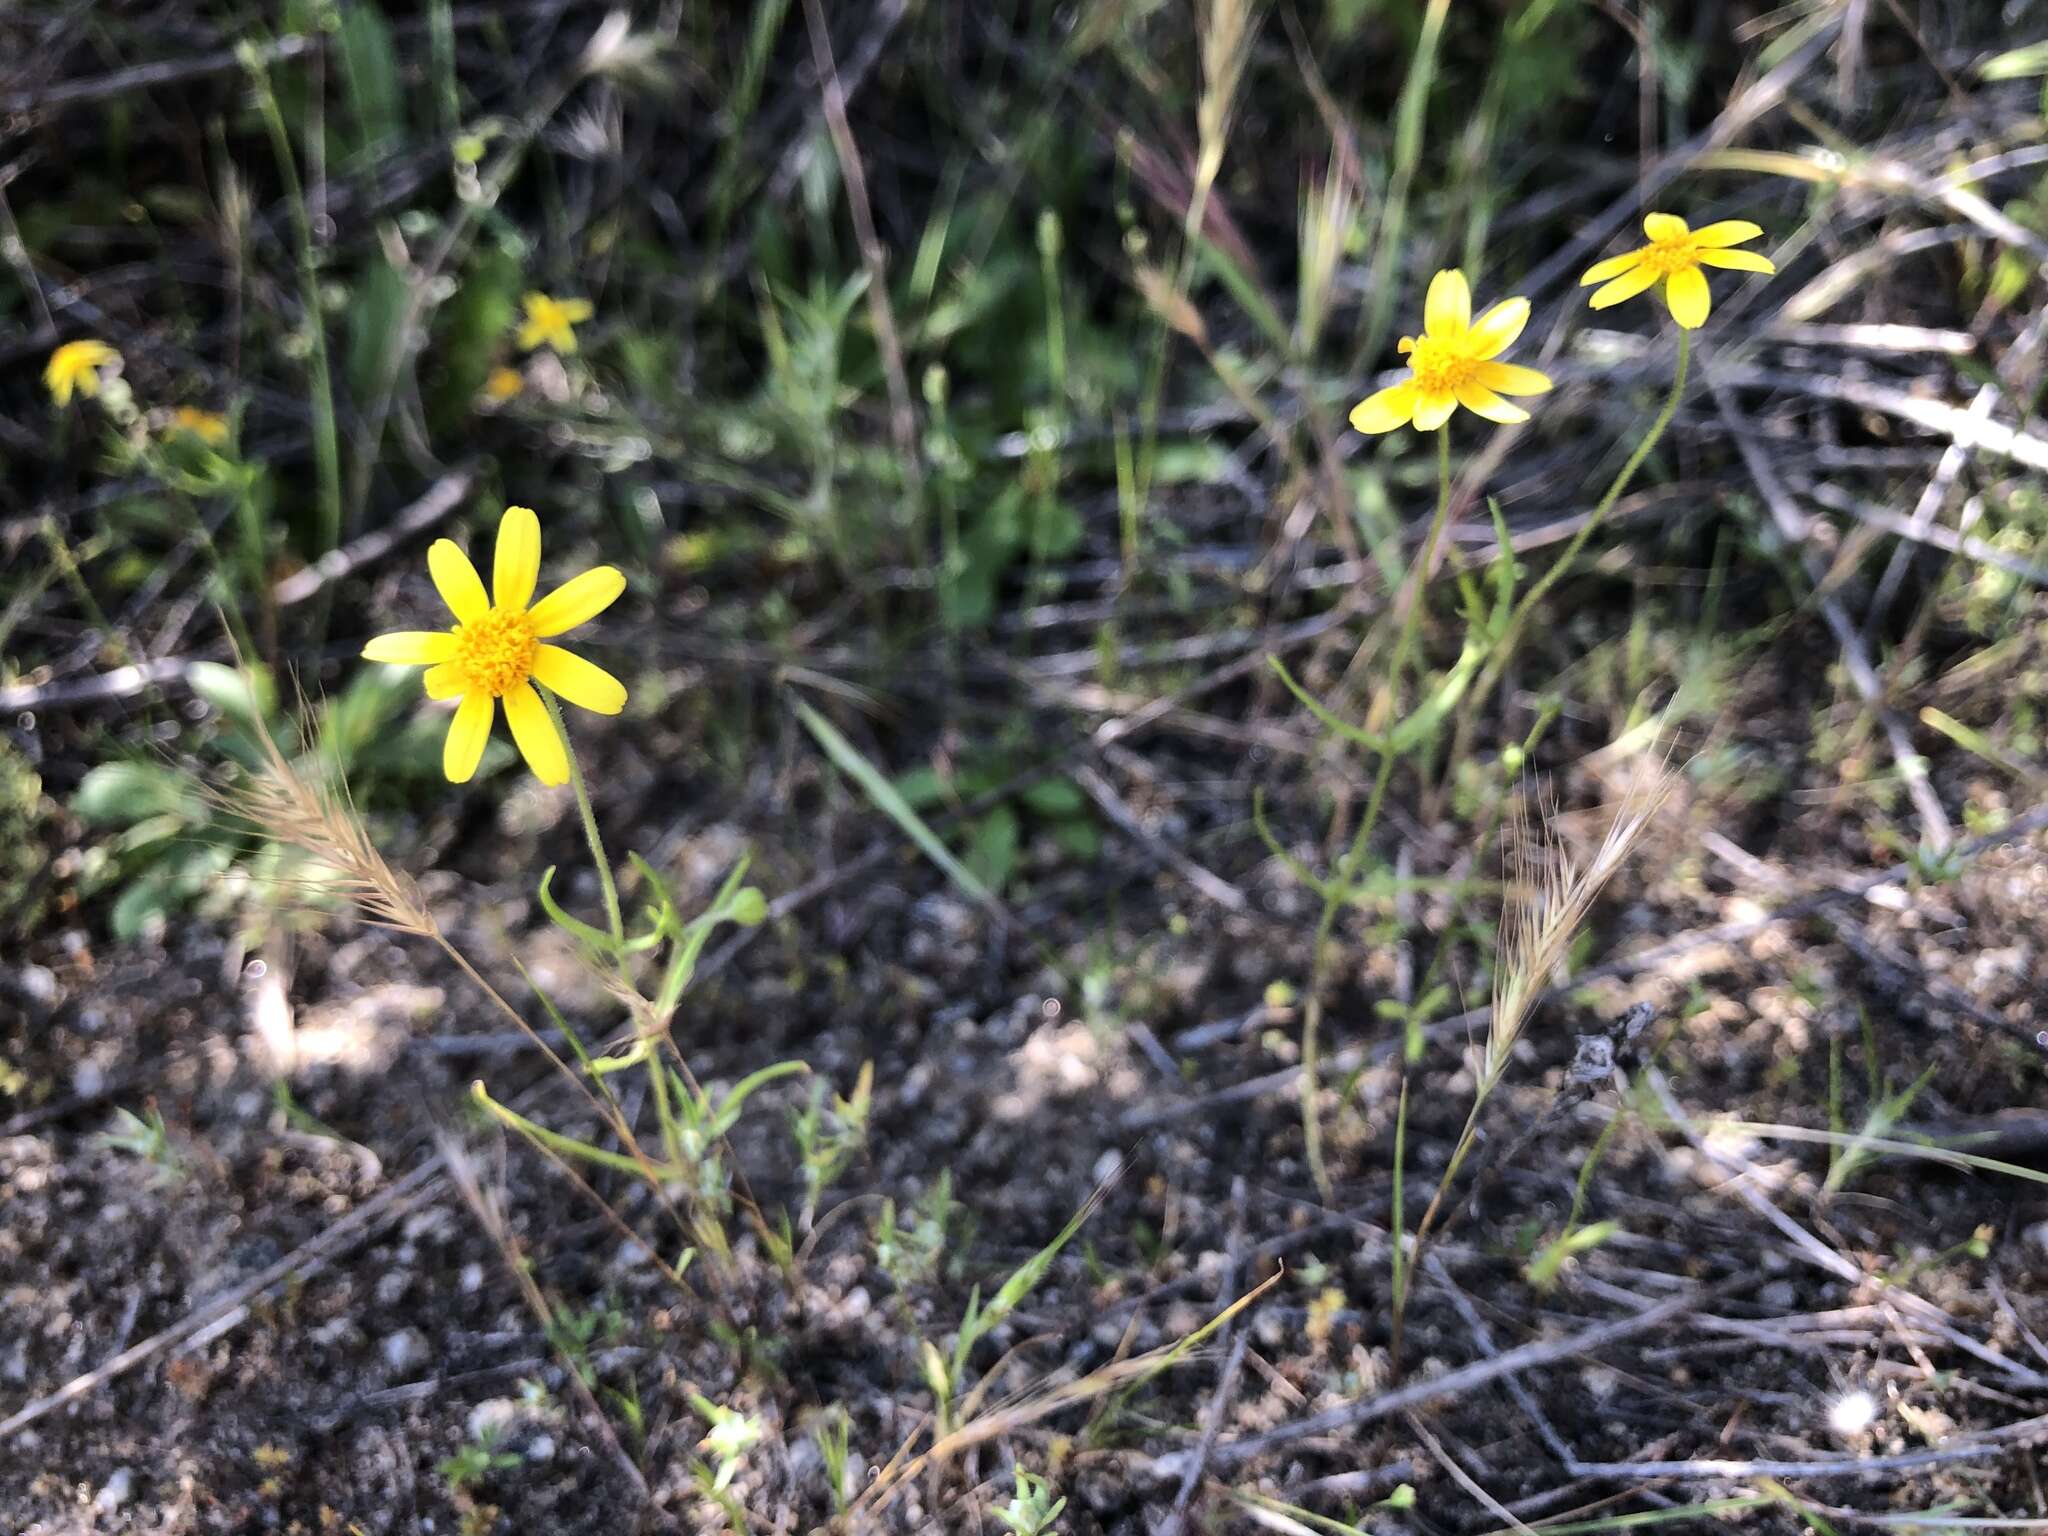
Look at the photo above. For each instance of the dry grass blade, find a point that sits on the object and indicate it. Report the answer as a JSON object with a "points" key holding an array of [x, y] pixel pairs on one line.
{"points": [[1038, 1402]]}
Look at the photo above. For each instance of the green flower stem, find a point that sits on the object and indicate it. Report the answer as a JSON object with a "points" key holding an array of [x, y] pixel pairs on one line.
{"points": [[597, 854], [1505, 647], [1338, 891]]}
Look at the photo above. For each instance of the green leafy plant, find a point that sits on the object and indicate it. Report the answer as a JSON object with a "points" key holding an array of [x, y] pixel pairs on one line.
{"points": [[476, 1460], [145, 1136], [1032, 1508]]}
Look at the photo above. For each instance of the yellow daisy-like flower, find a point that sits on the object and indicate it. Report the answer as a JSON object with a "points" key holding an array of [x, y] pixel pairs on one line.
{"points": [[76, 365], [549, 322], [495, 651], [504, 383], [1674, 256], [1452, 363], [209, 427]]}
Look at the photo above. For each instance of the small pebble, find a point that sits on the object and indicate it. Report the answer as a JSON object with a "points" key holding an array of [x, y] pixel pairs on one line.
{"points": [[115, 1493], [405, 1350], [491, 1416], [632, 1255]]}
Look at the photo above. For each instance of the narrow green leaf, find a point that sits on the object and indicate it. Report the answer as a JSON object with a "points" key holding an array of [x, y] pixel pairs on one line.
{"points": [[876, 786]]}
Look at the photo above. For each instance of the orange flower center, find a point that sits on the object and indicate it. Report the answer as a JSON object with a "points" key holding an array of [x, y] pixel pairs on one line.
{"points": [[495, 653], [1665, 257], [1441, 366]]}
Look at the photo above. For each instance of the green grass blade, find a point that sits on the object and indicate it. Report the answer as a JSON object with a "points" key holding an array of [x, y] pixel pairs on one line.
{"points": [[847, 758]]}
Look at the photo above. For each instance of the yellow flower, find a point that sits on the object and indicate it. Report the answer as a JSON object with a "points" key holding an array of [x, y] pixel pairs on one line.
{"points": [[494, 650], [548, 322], [76, 365], [209, 427], [1675, 255], [1453, 364], [504, 383]]}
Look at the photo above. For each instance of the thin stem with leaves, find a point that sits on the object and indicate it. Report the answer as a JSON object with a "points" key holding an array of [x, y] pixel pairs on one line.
{"points": [[1340, 888]]}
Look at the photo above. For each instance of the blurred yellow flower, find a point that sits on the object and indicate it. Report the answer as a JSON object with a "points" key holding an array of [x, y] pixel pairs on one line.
{"points": [[1674, 256], [548, 322], [494, 650], [504, 383], [1452, 363], [209, 427], [76, 365]]}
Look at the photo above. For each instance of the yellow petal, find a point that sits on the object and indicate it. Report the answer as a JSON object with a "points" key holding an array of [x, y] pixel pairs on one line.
{"points": [[562, 339], [1613, 266], [581, 682], [517, 564], [531, 335], [1482, 401], [1432, 411], [1664, 226], [1495, 331], [577, 599], [539, 742], [1741, 261], [445, 681], [1512, 379], [59, 383], [1686, 292], [411, 647], [1727, 232], [457, 582], [467, 733], [1385, 409], [1447, 308], [574, 311], [1626, 286]]}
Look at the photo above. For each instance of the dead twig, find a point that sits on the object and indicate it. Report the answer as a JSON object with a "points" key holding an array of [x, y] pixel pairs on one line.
{"points": [[311, 1256], [1528, 1357], [1112, 805], [1792, 526], [434, 504]]}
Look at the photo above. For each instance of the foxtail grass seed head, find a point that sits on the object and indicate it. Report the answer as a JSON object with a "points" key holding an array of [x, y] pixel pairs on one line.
{"points": [[551, 322], [1329, 214], [287, 803], [81, 366], [1675, 257], [496, 651], [1454, 362], [1226, 29], [1549, 894]]}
